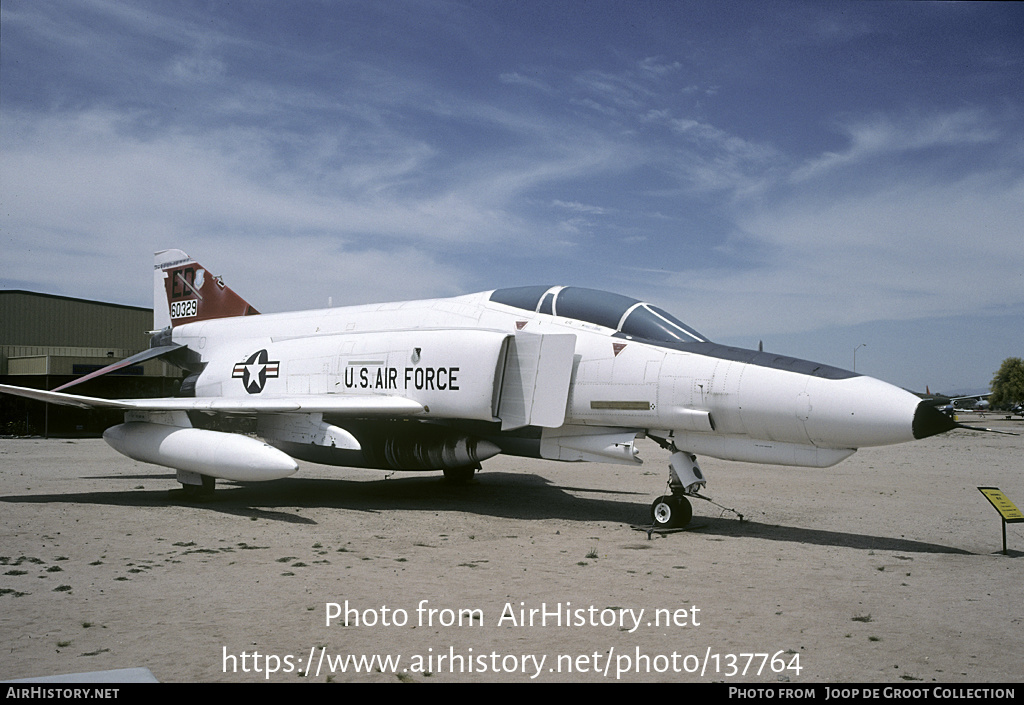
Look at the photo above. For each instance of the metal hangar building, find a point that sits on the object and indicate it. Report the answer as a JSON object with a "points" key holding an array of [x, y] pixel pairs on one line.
{"points": [[47, 341]]}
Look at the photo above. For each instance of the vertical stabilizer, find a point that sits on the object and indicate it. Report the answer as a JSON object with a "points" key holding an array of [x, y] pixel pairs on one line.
{"points": [[185, 292]]}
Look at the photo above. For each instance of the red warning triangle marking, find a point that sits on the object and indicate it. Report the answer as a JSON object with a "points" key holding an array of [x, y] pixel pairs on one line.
{"points": [[520, 325], [617, 348]]}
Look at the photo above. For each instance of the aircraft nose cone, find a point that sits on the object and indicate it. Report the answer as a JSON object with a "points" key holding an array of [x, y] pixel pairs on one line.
{"points": [[929, 421]]}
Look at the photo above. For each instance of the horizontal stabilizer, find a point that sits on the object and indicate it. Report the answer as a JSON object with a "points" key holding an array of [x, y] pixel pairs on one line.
{"points": [[149, 354]]}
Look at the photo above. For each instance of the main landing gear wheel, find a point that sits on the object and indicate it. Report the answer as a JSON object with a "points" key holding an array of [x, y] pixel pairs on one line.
{"points": [[199, 492], [671, 512], [460, 476]]}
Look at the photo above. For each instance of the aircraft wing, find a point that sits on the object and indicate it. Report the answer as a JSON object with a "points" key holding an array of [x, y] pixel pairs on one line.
{"points": [[350, 405], [971, 396]]}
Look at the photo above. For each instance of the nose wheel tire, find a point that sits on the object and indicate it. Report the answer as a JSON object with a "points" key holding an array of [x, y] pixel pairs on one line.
{"points": [[671, 512]]}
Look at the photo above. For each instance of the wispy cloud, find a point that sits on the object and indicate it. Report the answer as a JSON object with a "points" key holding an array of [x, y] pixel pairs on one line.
{"points": [[579, 207], [883, 136]]}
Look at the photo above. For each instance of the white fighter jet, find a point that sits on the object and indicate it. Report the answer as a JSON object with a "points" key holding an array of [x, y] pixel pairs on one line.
{"points": [[562, 373]]}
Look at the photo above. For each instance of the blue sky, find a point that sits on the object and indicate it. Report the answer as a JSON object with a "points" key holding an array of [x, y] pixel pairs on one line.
{"points": [[815, 175]]}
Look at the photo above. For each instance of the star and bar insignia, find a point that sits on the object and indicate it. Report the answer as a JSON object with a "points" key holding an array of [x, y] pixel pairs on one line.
{"points": [[255, 371]]}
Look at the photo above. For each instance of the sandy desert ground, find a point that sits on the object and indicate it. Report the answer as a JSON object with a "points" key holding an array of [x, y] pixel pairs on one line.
{"points": [[885, 568]]}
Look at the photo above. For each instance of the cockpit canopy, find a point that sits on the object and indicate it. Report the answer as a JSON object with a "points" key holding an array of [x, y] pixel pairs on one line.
{"points": [[632, 318]]}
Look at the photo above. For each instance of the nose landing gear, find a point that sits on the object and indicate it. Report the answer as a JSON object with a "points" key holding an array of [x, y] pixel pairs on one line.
{"points": [[673, 511]]}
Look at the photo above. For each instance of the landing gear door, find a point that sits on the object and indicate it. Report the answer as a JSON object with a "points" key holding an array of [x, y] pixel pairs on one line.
{"points": [[535, 382]]}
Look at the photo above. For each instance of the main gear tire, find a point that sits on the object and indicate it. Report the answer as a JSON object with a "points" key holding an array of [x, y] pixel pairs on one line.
{"points": [[460, 476]]}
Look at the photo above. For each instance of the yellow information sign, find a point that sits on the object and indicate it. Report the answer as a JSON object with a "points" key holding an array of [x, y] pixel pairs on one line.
{"points": [[1007, 509]]}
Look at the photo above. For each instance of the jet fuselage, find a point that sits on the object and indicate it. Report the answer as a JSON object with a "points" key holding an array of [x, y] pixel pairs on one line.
{"points": [[454, 356]]}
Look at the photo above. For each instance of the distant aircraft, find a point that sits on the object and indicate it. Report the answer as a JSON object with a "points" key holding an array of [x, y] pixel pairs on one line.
{"points": [[562, 373], [971, 402]]}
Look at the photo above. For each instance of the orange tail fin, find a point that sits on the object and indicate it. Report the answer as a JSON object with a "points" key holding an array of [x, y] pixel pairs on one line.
{"points": [[185, 292]]}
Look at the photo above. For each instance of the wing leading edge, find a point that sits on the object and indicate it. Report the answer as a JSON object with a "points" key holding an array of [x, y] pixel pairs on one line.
{"points": [[355, 406]]}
